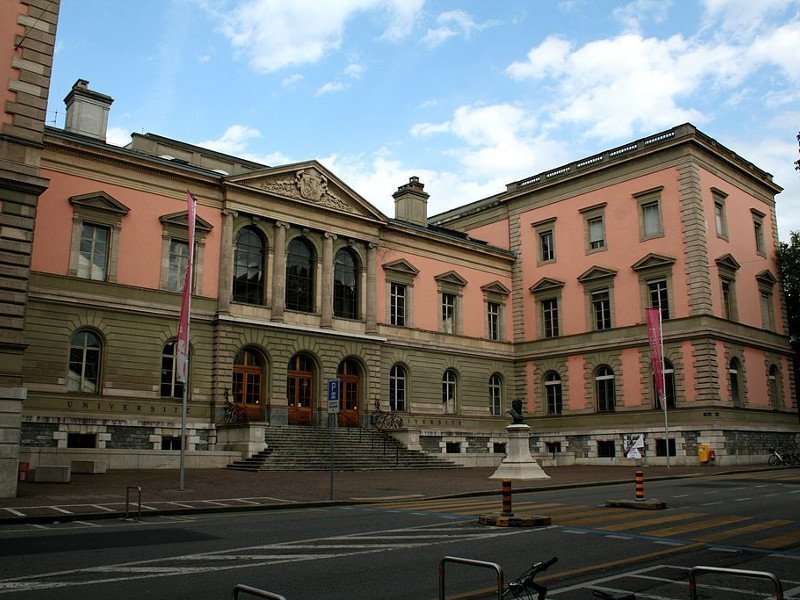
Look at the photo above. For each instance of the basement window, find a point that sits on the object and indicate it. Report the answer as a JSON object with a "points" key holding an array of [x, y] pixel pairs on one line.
{"points": [[171, 443], [553, 447], [81, 440], [605, 449], [661, 447], [499, 447], [453, 447]]}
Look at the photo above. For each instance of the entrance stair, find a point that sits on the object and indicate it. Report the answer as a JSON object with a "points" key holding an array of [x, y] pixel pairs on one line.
{"points": [[301, 448]]}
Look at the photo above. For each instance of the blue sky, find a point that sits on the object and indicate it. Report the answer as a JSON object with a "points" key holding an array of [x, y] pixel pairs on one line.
{"points": [[467, 95]]}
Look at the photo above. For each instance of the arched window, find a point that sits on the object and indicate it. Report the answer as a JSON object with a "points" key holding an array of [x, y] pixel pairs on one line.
{"points": [[84, 363], [552, 390], [773, 386], [345, 284], [495, 395], [449, 391], [397, 388], [733, 375], [248, 373], [669, 387], [604, 389], [170, 386], [300, 276], [248, 267]]}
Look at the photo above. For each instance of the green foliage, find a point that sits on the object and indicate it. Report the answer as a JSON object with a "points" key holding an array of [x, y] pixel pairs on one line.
{"points": [[789, 265]]}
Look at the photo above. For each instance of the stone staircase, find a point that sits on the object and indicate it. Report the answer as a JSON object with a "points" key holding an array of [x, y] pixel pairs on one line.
{"points": [[301, 448]]}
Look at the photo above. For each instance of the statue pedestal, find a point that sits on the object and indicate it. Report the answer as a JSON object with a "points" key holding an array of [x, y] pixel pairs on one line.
{"points": [[518, 462]]}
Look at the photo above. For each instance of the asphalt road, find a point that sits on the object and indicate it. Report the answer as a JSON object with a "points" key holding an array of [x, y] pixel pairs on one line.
{"points": [[393, 549]]}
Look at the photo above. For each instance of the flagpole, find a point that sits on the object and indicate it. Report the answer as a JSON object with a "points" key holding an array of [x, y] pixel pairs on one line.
{"points": [[183, 432], [663, 385]]}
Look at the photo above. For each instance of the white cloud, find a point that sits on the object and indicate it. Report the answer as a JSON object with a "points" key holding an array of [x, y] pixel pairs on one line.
{"points": [[451, 24], [233, 141], [275, 34], [330, 88], [291, 80], [633, 14], [744, 18], [118, 136], [354, 71]]}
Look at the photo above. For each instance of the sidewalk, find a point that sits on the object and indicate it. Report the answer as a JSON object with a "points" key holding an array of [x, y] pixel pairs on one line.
{"points": [[92, 496]]}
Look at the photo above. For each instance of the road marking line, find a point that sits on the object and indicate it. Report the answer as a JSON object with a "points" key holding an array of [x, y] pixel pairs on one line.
{"points": [[181, 505], [61, 510], [87, 523], [652, 521], [16, 513], [706, 524], [779, 541], [721, 535], [741, 499], [101, 507]]}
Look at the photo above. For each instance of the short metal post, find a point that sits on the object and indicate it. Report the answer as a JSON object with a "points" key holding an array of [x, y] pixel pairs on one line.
{"points": [[740, 572], [507, 498], [128, 497], [639, 485], [474, 563], [251, 591]]}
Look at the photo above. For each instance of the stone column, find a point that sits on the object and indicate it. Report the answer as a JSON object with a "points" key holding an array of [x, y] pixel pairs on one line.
{"points": [[279, 273], [327, 280], [371, 290], [226, 261]]}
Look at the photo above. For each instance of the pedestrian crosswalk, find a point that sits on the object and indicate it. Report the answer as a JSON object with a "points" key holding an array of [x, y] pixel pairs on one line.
{"points": [[680, 524]]}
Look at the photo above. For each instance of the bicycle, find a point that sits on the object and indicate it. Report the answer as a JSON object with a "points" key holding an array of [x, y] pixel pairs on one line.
{"points": [[776, 458], [525, 587]]}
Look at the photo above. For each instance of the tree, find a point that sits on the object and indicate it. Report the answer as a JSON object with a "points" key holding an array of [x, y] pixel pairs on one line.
{"points": [[789, 264]]}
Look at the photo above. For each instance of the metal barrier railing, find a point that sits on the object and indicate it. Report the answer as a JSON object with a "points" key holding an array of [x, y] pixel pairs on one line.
{"points": [[740, 572], [128, 500], [474, 563], [255, 592]]}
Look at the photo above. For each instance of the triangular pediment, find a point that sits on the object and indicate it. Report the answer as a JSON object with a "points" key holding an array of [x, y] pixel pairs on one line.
{"points": [[495, 288], [652, 261], [596, 273], [451, 277], [401, 266], [726, 261], [181, 219], [766, 277], [99, 201], [309, 183], [546, 284]]}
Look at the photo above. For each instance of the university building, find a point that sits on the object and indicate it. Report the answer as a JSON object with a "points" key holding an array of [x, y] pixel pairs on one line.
{"points": [[538, 292]]}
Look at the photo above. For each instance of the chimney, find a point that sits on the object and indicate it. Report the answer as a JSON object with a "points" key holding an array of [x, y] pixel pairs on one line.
{"points": [[87, 111], [411, 202]]}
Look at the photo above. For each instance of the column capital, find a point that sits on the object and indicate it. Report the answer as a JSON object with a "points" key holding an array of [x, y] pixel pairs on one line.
{"points": [[330, 236], [282, 224], [229, 212]]}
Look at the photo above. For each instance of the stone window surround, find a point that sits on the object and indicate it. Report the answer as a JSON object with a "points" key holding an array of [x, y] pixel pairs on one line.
{"points": [[452, 283], [736, 352], [500, 384], [719, 203], [540, 228], [766, 282], [758, 225], [547, 289], [175, 227], [406, 371], [361, 286], [597, 279], [498, 293], [402, 272], [644, 198], [652, 268], [727, 266], [267, 235], [591, 213], [96, 208]]}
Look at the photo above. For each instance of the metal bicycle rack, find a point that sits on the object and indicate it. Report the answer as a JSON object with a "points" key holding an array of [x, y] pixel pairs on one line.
{"points": [[741, 572], [128, 498], [474, 563], [251, 591]]}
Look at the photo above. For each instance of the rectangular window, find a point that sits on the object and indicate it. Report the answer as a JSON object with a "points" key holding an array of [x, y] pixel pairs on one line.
{"points": [[758, 229], [661, 447], [727, 299], [178, 261], [601, 310], [550, 317], [658, 297], [597, 234], [547, 247], [397, 308], [449, 313], [605, 449], [651, 219], [493, 317], [553, 447], [94, 250], [719, 219], [767, 319]]}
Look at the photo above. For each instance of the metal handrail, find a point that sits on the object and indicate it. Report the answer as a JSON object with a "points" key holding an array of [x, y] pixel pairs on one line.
{"points": [[138, 488], [255, 592], [741, 572], [474, 563]]}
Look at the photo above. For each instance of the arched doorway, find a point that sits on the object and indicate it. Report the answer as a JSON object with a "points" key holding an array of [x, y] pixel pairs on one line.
{"points": [[248, 375], [349, 374], [300, 389]]}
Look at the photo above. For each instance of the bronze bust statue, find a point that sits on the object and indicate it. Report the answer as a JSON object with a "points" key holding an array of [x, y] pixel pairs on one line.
{"points": [[516, 412]]}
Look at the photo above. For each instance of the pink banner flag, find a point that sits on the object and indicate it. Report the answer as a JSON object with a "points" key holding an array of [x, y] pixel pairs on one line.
{"points": [[654, 337], [182, 353]]}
